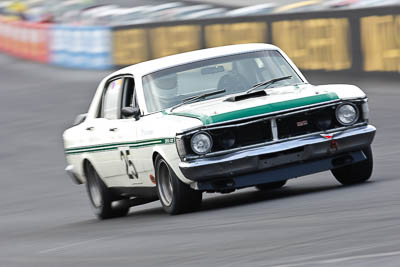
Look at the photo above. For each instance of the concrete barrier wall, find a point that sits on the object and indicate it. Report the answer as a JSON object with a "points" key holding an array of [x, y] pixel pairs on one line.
{"points": [[350, 40]]}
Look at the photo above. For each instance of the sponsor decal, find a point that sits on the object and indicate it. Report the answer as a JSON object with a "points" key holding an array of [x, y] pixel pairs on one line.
{"points": [[302, 123], [327, 136]]}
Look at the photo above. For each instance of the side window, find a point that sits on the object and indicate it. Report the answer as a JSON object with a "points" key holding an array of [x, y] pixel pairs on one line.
{"points": [[111, 100]]}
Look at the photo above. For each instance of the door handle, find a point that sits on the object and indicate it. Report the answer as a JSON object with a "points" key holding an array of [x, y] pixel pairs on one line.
{"points": [[91, 128], [113, 129]]}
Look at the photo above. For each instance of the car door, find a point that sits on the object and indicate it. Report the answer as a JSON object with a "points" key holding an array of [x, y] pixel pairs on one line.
{"points": [[124, 133], [106, 153], [139, 163]]}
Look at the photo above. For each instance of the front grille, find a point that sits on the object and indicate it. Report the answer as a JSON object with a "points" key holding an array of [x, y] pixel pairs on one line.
{"points": [[252, 131], [244, 135], [307, 122], [250, 134]]}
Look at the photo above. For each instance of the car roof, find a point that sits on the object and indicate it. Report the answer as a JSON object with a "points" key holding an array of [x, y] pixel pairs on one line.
{"points": [[193, 56]]}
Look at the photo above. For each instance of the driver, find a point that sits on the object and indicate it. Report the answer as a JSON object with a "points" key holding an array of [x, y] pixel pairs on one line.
{"points": [[166, 90]]}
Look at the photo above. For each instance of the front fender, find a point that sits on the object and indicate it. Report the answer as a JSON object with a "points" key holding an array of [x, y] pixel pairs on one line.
{"points": [[170, 154]]}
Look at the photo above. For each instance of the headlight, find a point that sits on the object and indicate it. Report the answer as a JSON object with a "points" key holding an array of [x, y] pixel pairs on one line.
{"points": [[347, 114], [201, 143]]}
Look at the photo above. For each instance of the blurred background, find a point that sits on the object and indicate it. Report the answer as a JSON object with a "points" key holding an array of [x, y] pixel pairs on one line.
{"points": [[124, 12], [54, 53], [339, 35]]}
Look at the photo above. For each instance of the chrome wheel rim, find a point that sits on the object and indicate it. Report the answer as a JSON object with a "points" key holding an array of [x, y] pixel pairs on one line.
{"points": [[165, 185], [95, 194]]}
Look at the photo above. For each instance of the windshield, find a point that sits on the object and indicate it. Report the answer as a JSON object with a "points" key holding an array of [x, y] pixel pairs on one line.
{"points": [[235, 74]]}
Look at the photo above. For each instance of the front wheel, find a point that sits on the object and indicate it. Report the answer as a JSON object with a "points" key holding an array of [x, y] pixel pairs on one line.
{"points": [[175, 196], [355, 173], [101, 198]]}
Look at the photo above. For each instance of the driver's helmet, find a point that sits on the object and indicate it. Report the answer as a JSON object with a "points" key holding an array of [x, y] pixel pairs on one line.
{"points": [[166, 86]]}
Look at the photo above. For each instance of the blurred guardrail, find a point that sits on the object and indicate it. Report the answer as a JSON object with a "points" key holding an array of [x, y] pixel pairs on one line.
{"points": [[88, 47], [25, 40], [366, 40]]}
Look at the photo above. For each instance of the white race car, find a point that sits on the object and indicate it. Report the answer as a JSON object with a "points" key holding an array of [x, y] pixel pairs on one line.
{"points": [[213, 120]]}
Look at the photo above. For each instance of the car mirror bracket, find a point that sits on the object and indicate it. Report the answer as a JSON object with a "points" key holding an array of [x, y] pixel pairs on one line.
{"points": [[131, 112]]}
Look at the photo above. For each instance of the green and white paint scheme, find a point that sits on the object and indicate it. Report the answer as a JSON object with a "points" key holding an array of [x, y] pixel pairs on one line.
{"points": [[104, 142]]}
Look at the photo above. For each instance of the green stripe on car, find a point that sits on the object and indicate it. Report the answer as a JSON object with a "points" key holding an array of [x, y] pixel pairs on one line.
{"points": [[114, 146], [259, 110]]}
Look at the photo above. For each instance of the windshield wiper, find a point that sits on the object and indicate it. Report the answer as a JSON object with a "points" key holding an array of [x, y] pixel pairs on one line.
{"points": [[265, 83], [197, 97]]}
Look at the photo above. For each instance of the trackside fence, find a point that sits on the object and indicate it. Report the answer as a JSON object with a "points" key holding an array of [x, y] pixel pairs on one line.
{"points": [[25, 40], [365, 40], [88, 47]]}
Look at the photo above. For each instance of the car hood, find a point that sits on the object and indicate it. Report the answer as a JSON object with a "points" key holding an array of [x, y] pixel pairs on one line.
{"points": [[278, 99]]}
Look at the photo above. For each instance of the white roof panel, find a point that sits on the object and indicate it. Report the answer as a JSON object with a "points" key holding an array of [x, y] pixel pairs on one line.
{"points": [[193, 56]]}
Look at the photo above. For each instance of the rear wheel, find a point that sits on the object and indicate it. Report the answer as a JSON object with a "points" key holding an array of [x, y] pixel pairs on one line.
{"points": [[270, 186], [175, 196], [355, 173], [101, 199]]}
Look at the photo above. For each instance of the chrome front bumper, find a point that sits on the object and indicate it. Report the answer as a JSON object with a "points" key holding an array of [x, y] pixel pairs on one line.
{"points": [[260, 159]]}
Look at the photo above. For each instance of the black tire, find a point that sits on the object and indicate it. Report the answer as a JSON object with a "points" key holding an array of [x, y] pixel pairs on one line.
{"points": [[175, 196], [355, 173], [271, 186], [101, 201]]}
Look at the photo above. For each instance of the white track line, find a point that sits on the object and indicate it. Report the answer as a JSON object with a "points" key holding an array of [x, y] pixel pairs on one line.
{"points": [[71, 245]]}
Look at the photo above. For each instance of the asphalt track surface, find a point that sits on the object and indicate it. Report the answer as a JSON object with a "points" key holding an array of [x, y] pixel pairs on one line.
{"points": [[46, 221]]}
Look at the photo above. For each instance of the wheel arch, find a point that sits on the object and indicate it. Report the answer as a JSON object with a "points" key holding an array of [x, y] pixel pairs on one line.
{"points": [[153, 157], [169, 153], [86, 162], [85, 165]]}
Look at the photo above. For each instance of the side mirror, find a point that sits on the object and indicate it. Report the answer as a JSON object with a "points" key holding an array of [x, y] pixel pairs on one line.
{"points": [[79, 119], [128, 112]]}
